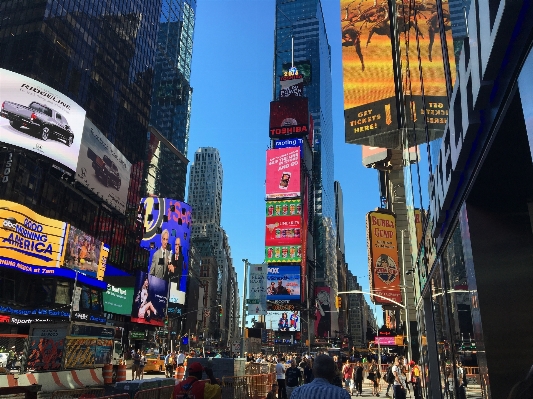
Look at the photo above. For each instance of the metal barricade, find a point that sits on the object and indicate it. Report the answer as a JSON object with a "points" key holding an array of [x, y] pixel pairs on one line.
{"points": [[26, 392], [155, 393], [235, 387], [83, 393]]}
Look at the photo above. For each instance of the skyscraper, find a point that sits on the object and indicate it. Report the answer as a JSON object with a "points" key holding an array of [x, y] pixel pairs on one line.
{"points": [[172, 93], [303, 21]]}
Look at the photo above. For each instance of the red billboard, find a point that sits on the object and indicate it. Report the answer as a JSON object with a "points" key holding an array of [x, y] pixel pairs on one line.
{"points": [[283, 173], [289, 117], [283, 230]]}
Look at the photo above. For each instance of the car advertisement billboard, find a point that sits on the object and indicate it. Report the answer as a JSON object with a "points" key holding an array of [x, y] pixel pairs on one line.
{"points": [[368, 73], [102, 168], [150, 300], [40, 119], [28, 239], [167, 226], [384, 270], [283, 173], [324, 307], [283, 321], [118, 300], [283, 283], [283, 223], [289, 117]]}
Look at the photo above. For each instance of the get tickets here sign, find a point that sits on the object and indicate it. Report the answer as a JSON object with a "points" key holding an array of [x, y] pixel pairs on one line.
{"points": [[28, 239], [384, 271]]}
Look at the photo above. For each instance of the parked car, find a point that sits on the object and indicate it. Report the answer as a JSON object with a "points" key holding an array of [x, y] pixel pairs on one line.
{"points": [[106, 170], [38, 119], [154, 363]]}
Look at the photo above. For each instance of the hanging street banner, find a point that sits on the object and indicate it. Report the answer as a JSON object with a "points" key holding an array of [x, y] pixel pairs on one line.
{"points": [[257, 290]]}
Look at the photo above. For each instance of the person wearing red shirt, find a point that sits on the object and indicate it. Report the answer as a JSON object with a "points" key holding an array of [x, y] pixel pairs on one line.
{"points": [[197, 388]]}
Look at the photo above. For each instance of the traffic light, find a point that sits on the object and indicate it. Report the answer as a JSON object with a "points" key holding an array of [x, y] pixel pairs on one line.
{"points": [[338, 302], [220, 310]]}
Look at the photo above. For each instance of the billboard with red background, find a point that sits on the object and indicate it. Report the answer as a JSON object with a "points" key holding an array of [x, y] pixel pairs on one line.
{"points": [[289, 117], [283, 222], [283, 173]]}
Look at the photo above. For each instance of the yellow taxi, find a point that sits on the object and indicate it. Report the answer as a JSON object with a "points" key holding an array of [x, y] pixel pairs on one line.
{"points": [[154, 363]]}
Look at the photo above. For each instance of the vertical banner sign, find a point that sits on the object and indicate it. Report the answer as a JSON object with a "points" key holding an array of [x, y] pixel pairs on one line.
{"points": [[257, 290], [384, 272], [102, 262], [323, 312]]}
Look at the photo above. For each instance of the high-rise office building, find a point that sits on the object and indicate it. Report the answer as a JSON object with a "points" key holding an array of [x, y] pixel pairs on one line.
{"points": [[172, 94], [339, 216], [301, 22]]}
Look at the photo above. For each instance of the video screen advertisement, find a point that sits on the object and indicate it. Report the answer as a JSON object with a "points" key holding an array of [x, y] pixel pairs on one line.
{"points": [[102, 168], [283, 173], [324, 308], [149, 300], [167, 226], [38, 118], [283, 283], [289, 117], [369, 90], [283, 231], [82, 252], [384, 271], [283, 321], [303, 69]]}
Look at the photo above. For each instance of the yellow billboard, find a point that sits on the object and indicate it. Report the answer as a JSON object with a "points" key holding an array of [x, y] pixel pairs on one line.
{"points": [[28, 239]]}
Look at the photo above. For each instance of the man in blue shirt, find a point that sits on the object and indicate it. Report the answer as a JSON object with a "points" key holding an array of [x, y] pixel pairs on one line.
{"points": [[321, 387]]}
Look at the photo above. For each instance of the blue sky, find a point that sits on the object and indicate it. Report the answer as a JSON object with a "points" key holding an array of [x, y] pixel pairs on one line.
{"points": [[232, 82]]}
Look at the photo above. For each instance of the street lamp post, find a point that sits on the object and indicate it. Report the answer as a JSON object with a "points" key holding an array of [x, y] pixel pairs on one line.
{"points": [[243, 326]]}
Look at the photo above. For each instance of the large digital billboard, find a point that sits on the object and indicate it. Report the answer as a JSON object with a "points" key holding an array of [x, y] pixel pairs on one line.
{"points": [[368, 73], [384, 270], [118, 300], [283, 173], [167, 226], [303, 69], [289, 117], [324, 308], [283, 321], [102, 168], [283, 223], [40, 119], [82, 252], [149, 300], [28, 239], [283, 283]]}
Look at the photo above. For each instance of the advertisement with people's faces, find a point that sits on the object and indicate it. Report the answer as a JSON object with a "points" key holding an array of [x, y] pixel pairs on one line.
{"points": [[283, 321], [167, 225], [283, 283], [149, 300]]}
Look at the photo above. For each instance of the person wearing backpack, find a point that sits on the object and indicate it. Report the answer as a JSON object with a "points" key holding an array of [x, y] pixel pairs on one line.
{"points": [[389, 378], [193, 387]]}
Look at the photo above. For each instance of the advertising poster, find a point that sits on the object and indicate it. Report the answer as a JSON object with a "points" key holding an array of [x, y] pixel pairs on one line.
{"points": [[176, 301], [289, 117], [283, 283], [102, 261], [167, 225], [28, 239], [283, 321], [150, 300], [303, 68], [324, 306], [283, 223], [82, 252], [118, 300], [368, 74], [283, 254], [383, 265], [102, 168], [257, 290], [46, 348], [283, 208], [283, 173], [40, 119], [87, 352]]}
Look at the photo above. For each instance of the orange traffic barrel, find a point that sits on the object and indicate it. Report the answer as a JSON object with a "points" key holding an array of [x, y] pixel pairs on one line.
{"points": [[107, 373], [121, 372], [180, 373]]}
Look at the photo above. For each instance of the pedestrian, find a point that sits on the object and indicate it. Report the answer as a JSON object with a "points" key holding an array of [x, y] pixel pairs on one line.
{"points": [[142, 363], [280, 376], [308, 372], [136, 356], [293, 378], [389, 378], [272, 393], [194, 387], [415, 380], [358, 378], [169, 364], [347, 374], [399, 379], [180, 360], [321, 387], [373, 372]]}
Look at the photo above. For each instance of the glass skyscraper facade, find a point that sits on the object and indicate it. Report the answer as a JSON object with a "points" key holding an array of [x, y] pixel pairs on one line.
{"points": [[172, 94], [303, 21]]}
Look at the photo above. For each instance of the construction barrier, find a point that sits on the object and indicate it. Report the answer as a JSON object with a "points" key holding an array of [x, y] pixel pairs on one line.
{"points": [[107, 374], [248, 386], [180, 373], [56, 380], [155, 393], [78, 393], [121, 372]]}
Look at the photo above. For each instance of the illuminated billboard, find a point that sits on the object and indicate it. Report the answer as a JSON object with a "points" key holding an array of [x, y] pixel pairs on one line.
{"points": [[384, 270], [283, 173], [303, 68], [324, 308], [40, 119], [283, 253], [102, 168], [28, 239], [83, 252], [289, 117], [283, 283], [118, 300], [167, 226], [283, 321], [149, 300], [283, 223], [368, 73]]}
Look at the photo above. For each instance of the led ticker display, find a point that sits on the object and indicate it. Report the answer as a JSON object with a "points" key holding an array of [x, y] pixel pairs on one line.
{"points": [[289, 117], [369, 89], [283, 173]]}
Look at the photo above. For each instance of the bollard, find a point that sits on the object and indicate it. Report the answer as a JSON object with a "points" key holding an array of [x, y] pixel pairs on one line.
{"points": [[107, 373], [121, 372]]}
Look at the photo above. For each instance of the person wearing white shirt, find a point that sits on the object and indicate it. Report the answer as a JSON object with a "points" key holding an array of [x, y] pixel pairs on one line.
{"points": [[280, 376], [180, 359]]}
